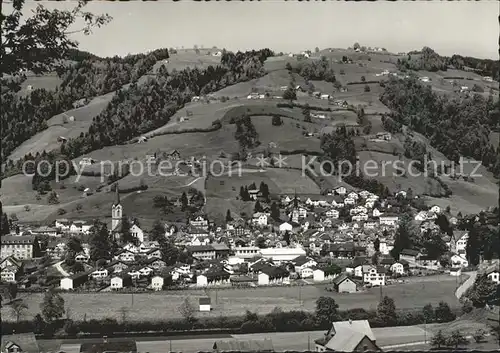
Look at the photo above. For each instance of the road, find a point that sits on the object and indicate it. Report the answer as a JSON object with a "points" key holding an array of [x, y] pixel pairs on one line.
{"points": [[282, 341], [466, 285], [60, 269]]}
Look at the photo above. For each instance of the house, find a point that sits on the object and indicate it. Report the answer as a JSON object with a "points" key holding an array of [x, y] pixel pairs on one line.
{"points": [[332, 214], [318, 275], [341, 190], [459, 261], [246, 252], [19, 246], [199, 222], [137, 233], [204, 304], [121, 281], [348, 336], [389, 220], [264, 345], [284, 227], [306, 272], [494, 275], [159, 282], [303, 262], [153, 253], [455, 271], [344, 250], [99, 273], [399, 267], [435, 209], [74, 281], [202, 252], [20, 342], [272, 275], [409, 255], [325, 96], [125, 256], [428, 262], [8, 274], [344, 284], [375, 276], [11, 261], [260, 218], [459, 241]]}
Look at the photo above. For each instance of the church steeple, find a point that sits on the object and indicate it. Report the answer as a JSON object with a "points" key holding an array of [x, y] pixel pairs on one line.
{"points": [[116, 210], [117, 196]]}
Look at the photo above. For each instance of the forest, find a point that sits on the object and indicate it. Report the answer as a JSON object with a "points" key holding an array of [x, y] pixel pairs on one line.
{"points": [[456, 127], [25, 116]]}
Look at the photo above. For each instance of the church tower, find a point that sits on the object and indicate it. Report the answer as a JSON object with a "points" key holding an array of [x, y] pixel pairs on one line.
{"points": [[116, 211]]}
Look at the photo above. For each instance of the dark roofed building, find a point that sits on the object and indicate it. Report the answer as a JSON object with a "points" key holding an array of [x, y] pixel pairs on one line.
{"points": [[265, 345], [344, 284], [21, 342], [344, 250]]}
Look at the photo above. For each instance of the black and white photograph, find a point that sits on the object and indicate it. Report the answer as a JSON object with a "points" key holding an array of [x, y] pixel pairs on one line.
{"points": [[249, 176]]}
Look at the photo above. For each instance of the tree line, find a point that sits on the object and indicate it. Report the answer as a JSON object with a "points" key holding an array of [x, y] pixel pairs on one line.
{"points": [[454, 126]]}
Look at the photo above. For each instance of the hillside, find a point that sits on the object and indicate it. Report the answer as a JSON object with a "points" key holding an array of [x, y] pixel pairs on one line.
{"points": [[157, 103]]}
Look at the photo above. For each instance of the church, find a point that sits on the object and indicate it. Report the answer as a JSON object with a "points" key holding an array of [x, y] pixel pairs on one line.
{"points": [[118, 219]]}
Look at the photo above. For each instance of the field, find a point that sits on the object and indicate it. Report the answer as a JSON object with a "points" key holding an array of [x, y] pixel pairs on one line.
{"points": [[188, 58], [232, 302]]}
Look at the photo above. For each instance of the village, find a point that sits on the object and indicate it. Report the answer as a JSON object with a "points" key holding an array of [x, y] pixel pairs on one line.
{"points": [[343, 237]]}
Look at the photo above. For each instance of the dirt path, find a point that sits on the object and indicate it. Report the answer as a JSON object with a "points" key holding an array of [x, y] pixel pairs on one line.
{"points": [[466, 285]]}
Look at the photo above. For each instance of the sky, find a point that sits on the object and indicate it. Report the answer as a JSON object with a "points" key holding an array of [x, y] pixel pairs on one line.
{"points": [[465, 28]]}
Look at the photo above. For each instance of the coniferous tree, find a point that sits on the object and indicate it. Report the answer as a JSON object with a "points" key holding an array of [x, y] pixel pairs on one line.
{"points": [[229, 218]]}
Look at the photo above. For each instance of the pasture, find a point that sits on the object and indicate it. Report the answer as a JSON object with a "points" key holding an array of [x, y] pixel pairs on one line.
{"points": [[233, 302], [188, 58]]}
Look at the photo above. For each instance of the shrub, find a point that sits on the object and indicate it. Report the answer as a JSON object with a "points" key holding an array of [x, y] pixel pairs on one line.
{"points": [[479, 335]]}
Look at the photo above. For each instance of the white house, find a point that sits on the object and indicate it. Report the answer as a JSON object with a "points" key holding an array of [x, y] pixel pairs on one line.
{"points": [[157, 282], [66, 283], [398, 268], [374, 276], [116, 282], [459, 241], [205, 304], [318, 275], [459, 261], [137, 232], [349, 201], [389, 220], [306, 272], [494, 275], [435, 209], [201, 281], [376, 213], [341, 190], [246, 252], [260, 218], [285, 226], [263, 279], [99, 273], [332, 214], [360, 217]]}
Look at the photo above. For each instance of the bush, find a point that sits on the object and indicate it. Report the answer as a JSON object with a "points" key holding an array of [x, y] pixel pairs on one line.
{"points": [[479, 336], [367, 88]]}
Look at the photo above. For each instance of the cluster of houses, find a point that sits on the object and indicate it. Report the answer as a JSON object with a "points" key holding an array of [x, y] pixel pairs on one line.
{"points": [[312, 233]]}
